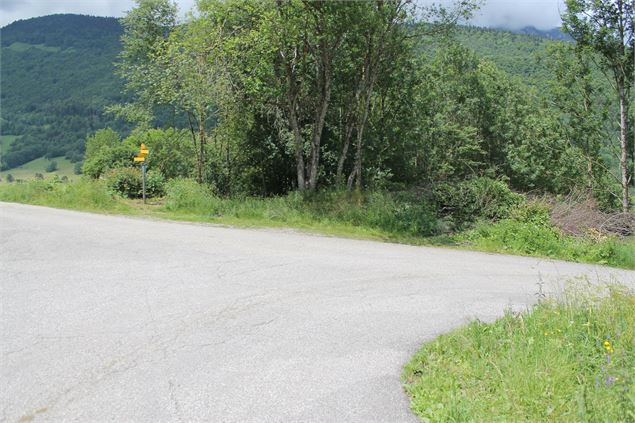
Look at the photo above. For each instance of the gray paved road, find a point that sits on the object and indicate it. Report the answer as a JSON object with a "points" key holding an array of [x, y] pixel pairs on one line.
{"points": [[118, 319]]}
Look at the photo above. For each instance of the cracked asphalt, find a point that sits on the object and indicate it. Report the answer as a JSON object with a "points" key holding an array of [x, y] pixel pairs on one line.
{"points": [[107, 318]]}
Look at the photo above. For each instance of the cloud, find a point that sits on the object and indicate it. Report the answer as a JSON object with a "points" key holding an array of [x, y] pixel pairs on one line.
{"points": [[513, 14], [12, 5], [516, 14], [13, 10]]}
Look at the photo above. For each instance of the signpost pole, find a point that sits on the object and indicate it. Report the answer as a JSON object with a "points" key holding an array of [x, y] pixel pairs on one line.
{"points": [[143, 170]]}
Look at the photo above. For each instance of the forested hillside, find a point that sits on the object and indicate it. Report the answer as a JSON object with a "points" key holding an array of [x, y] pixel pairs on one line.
{"points": [[57, 77]]}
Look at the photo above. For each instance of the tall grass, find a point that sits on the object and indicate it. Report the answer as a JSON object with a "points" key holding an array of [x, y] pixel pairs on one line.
{"points": [[529, 232], [399, 217], [81, 195], [391, 215], [571, 360]]}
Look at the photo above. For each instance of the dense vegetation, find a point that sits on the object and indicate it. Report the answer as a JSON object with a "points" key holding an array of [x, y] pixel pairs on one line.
{"points": [[566, 360], [57, 77]]}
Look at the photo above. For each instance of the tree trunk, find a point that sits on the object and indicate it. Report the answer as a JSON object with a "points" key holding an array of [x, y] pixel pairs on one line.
{"points": [[199, 177], [340, 161], [369, 81], [624, 146], [295, 126], [201, 146], [324, 84]]}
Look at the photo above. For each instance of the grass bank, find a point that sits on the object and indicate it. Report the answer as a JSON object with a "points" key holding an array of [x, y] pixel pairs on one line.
{"points": [[378, 216], [571, 360]]}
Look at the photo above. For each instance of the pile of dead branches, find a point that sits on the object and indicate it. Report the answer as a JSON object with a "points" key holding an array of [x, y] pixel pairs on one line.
{"points": [[579, 215]]}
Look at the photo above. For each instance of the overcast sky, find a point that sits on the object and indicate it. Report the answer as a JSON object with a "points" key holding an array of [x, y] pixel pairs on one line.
{"points": [[513, 14]]}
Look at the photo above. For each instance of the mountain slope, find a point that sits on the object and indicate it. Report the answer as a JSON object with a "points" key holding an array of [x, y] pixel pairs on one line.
{"points": [[57, 76]]}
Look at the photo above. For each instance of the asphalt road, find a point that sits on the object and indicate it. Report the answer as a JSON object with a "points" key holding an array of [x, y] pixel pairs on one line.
{"points": [[118, 319]]}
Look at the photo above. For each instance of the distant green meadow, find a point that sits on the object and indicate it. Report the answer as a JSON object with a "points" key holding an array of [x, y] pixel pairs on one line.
{"points": [[30, 170]]}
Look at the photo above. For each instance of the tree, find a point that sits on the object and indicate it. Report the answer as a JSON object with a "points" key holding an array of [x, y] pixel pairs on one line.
{"points": [[52, 166], [146, 31], [606, 26]]}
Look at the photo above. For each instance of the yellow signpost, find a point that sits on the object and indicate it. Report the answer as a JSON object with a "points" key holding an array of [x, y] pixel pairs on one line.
{"points": [[141, 157]]}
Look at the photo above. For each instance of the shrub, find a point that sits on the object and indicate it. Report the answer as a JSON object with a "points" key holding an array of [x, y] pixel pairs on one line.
{"points": [[155, 184], [124, 181], [39, 175], [529, 231], [9, 178], [52, 166], [77, 168], [468, 201]]}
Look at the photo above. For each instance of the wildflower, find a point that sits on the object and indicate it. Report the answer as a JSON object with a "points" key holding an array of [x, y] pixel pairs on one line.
{"points": [[608, 347]]}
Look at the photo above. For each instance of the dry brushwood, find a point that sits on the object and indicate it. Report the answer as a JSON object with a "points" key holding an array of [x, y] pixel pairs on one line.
{"points": [[579, 215]]}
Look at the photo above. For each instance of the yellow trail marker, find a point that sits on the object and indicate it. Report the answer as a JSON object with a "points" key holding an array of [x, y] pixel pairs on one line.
{"points": [[139, 159], [144, 152]]}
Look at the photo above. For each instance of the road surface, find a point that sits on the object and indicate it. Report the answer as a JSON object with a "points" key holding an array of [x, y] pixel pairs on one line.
{"points": [[107, 318]]}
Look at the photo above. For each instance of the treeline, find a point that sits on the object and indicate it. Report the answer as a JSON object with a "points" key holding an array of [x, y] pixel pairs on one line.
{"points": [[296, 95]]}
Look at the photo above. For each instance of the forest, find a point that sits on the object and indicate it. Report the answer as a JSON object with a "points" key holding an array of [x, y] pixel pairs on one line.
{"points": [[306, 96]]}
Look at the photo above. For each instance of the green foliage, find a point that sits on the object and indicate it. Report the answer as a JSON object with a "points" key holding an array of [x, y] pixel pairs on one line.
{"points": [[57, 76], [77, 168], [570, 360], [84, 194], [479, 198], [155, 183], [186, 195], [105, 151], [528, 231], [171, 151], [9, 177], [127, 182], [52, 166], [402, 214]]}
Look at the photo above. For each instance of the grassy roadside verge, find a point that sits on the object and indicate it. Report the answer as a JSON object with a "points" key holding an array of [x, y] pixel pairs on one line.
{"points": [[571, 360], [375, 216]]}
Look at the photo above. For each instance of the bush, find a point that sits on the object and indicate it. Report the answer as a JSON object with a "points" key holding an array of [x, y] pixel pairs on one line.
{"points": [[77, 168], [9, 178], [155, 184], [52, 166], [125, 181], [478, 198], [529, 231]]}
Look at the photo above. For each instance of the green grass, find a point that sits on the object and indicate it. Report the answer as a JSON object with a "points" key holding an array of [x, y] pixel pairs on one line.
{"points": [[22, 47], [550, 364], [28, 170], [81, 195], [376, 216], [529, 239]]}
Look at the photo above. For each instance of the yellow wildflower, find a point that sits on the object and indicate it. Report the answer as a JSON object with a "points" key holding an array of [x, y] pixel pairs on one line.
{"points": [[608, 347]]}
